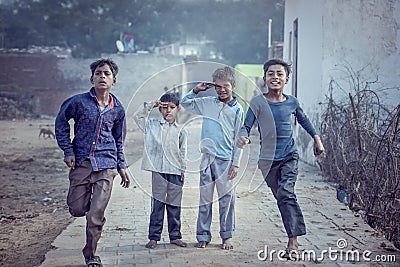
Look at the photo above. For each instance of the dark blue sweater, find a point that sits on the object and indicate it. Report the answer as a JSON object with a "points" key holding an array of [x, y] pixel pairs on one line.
{"points": [[275, 125]]}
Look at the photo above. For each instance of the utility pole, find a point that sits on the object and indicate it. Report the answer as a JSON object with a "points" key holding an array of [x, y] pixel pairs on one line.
{"points": [[269, 37]]}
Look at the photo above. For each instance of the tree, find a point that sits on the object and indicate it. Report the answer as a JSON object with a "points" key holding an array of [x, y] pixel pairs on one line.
{"points": [[237, 28]]}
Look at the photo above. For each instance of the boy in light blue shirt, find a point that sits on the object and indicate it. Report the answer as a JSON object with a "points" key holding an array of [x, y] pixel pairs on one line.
{"points": [[222, 119]]}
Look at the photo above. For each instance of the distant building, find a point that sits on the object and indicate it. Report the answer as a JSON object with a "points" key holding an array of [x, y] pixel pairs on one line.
{"points": [[169, 49], [276, 50], [203, 49]]}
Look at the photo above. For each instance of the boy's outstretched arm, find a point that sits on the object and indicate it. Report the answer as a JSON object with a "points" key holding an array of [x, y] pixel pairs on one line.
{"points": [[318, 146], [246, 128], [183, 153], [306, 124], [62, 131], [237, 152], [70, 161], [125, 181], [242, 141], [233, 171], [118, 132]]}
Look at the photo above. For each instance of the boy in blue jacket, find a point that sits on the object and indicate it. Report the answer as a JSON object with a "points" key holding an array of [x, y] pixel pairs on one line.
{"points": [[95, 155]]}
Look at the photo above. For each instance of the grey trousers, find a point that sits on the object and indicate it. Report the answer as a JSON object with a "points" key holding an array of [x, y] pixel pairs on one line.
{"points": [[281, 177], [214, 173], [89, 193]]}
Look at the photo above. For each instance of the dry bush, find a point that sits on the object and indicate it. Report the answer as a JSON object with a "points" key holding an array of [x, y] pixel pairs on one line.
{"points": [[362, 140]]}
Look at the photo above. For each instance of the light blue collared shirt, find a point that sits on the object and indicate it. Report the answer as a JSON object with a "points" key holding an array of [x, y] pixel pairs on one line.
{"points": [[221, 125]]}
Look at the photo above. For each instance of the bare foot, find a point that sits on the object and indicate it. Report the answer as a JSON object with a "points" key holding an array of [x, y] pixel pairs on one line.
{"points": [[227, 244], [292, 254], [178, 242], [292, 243], [152, 244], [202, 244]]}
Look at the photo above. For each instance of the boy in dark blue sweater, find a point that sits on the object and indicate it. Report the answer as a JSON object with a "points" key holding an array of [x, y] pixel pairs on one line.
{"points": [[278, 153]]}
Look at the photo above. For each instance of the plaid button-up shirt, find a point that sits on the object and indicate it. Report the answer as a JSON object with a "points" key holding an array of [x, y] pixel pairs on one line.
{"points": [[98, 134]]}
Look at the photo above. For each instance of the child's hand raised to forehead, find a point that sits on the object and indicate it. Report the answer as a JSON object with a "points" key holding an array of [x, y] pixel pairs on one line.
{"points": [[158, 103], [203, 86]]}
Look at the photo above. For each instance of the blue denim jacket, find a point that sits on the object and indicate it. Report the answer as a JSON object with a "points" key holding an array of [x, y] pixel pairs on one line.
{"points": [[98, 135]]}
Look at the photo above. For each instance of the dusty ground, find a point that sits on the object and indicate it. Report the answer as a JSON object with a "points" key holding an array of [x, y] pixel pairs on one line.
{"points": [[33, 189]]}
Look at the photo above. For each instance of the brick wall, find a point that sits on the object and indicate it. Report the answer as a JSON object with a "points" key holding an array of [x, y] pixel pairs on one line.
{"points": [[36, 79], [43, 81]]}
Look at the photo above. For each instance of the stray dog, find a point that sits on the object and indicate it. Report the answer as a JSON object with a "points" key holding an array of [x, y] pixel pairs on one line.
{"points": [[47, 134]]}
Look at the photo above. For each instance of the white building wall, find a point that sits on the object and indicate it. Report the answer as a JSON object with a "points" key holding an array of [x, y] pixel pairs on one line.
{"points": [[366, 37], [309, 71], [335, 34]]}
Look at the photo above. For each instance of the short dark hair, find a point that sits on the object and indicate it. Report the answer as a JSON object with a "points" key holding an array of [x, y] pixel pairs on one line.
{"points": [[275, 61], [105, 61], [168, 97], [225, 73]]}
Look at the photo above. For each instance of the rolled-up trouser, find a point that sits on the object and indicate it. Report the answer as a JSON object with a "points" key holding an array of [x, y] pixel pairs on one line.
{"points": [[214, 173], [88, 194], [166, 194], [281, 177]]}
